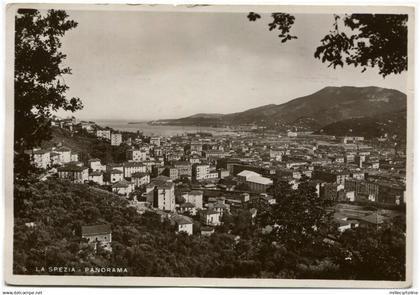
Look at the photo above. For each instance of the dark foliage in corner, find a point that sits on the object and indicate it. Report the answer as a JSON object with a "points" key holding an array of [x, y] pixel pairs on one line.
{"points": [[365, 40], [39, 85]]}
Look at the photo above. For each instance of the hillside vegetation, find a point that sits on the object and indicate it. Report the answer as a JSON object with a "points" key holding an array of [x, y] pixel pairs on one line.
{"points": [[329, 105], [87, 146], [47, 232], [389, 124]]}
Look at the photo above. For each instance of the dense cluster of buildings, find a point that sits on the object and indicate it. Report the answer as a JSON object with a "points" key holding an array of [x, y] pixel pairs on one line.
{"points": [[46, 158], [201, 177]]}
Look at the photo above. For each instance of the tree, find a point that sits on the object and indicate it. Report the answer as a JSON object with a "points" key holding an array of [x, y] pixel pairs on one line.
{"points": [[375, 254], [39, 85], [365, 40], [298, 217]]}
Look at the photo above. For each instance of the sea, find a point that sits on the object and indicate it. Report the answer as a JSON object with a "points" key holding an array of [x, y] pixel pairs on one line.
{"points": [[161, 130]]}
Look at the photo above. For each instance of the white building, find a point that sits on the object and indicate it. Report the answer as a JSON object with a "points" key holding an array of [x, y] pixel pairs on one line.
{"points": [[116, 139], [350, 196], [161, 194], [74, 173], [352, 139], [123, 187], [223, 173], [88, 126], [140, 178], [210, 217], [98, 235], [155, 141], [201, 171], [105, 134], [95, 165], [96, 176], [207, 231], [41, 158], [195, 159], [55, 158], [74, 157], [65, 154], [215, 154], [117, 166], [255, 181], [137, 155], [212, 175], [116, 175], [276, 154], [183, 223], [133, 167], [194, 197], [188, 208]]}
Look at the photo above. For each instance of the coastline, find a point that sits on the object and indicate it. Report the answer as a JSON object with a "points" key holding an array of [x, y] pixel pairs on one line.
{"points": [[159, 129]]}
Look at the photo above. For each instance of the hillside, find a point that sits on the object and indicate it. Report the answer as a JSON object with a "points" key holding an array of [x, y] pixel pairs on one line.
{"points": [[141, 243], [86, 145], [393, 123], [207, 116], [81, 144], [329, 105]]}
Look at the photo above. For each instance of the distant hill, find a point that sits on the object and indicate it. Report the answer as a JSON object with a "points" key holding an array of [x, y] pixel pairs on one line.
{"points": [[390, 124], [329, 105], [206, 116]]}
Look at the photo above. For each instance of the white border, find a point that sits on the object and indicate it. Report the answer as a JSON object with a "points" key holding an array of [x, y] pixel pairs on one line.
{"points": [[204, 282]]}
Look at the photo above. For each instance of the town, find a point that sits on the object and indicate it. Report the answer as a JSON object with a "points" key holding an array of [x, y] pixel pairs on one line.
{"points": [[202, 177], [209, 146]]}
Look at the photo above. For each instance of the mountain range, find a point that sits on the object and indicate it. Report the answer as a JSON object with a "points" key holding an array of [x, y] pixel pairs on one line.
{"points": [[312, 112]]}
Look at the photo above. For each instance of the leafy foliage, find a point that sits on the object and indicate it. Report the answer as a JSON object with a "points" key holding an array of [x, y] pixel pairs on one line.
{"points": [[38, 83], [87, 145], [375, 254], [283, 22], [378, 40], [146, 246], [298, 217], [365, 40], [391, 124], [142, 243]]}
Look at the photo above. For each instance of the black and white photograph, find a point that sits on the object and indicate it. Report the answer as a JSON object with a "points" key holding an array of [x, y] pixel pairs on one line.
{"points": [[206, 145]]}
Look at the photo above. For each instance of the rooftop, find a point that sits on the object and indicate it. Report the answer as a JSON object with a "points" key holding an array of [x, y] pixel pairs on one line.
{"points": [[187, 205], [260, 180], [133, 164], [247, 173], [182, 163], [95, 173], [91, 230], [181, 219], [63, 149], [373, 218], [40, 152], [121, 184], [139, 174], [209, 212], [72, 168], [94, 160], [116, 171]]}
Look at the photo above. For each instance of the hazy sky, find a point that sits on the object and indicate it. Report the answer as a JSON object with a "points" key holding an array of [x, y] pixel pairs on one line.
{"points": [[150, 65]]}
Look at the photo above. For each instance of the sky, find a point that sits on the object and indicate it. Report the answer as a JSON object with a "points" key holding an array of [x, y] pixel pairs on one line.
{"points": [[146, 65]]}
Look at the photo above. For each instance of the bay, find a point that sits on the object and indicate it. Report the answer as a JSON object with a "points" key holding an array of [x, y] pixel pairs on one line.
{"points": [[161, 130]]}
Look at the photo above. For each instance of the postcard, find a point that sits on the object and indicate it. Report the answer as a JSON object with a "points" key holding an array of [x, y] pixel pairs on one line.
{"points": [[206, 145]]}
